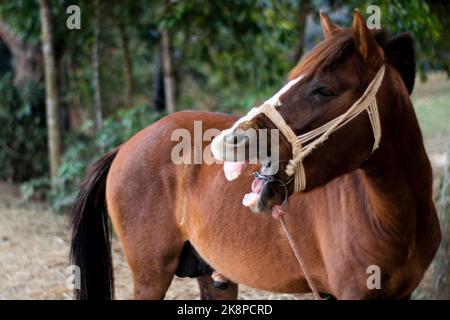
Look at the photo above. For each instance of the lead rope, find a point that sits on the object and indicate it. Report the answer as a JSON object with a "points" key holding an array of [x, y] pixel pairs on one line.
{"points": [[300, 260], [298, 256]]}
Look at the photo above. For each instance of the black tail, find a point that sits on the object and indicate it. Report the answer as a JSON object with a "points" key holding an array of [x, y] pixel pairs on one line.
{"points": [[91, 240]]}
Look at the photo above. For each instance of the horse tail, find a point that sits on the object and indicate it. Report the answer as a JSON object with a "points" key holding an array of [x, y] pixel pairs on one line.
{"points": [[90, 248]]}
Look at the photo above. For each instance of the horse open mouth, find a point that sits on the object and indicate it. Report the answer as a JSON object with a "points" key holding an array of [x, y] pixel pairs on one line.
{"points": [[254, 199]]}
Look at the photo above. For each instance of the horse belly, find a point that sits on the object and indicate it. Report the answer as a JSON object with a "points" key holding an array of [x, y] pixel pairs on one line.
{"points": [[246, 248]]}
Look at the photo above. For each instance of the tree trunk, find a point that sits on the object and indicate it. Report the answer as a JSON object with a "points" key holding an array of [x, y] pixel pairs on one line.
{"points": [[178, 64], [442, 260], [158, 98], [304, 9], [169, 90], [51, 89], [96, 69], [27, 56], [127, 65]]}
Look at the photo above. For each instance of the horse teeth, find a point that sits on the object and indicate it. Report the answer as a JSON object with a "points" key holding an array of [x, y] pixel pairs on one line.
{"points": [[231, 175]]}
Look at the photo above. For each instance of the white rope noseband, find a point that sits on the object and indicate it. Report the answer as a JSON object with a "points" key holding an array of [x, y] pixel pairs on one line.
{"points": [[317, 136]]}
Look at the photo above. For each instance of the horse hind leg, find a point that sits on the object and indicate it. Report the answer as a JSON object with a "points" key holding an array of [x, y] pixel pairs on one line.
{"points": [[152, 283], [153, 273], [152, 245]]}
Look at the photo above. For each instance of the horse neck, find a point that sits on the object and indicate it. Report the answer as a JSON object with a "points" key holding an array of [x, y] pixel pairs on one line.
{"points": [[399, 177]]}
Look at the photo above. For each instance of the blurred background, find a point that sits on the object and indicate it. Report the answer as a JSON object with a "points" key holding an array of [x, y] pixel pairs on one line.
{"points": [[68, 96]]}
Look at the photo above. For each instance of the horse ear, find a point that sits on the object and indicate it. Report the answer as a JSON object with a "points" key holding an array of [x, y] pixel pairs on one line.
{"points": [[400, 53], [369, 50], [328, 27]]}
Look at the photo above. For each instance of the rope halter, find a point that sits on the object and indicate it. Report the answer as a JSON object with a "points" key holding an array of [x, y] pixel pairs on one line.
{"points": [[315, 137]]}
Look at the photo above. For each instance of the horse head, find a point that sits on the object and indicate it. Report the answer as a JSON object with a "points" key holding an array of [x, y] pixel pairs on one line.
{"points": [[326, 84]]}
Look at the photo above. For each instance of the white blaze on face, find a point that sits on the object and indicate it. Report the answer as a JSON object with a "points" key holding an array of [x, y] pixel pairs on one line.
{"points": [[275, 100], [221, 150]]}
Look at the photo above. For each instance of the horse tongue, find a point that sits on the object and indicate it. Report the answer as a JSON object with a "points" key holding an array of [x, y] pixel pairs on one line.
{"points": [[232, 170], [251, 198], [257, 185]]}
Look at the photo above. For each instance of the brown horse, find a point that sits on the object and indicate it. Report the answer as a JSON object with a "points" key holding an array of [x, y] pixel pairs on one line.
{"points": [[359, 208]]}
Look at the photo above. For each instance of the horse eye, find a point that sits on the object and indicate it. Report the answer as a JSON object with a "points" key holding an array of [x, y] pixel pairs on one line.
{"points": [[323, 91]]}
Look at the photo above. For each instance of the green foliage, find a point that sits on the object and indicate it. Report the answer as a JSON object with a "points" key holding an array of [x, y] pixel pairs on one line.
{"points": [[241, 47], [438, 52], [82, 149], [227, 56], [35, 189], [232, 48], [23, 151], [415, 17], [23, 17]]}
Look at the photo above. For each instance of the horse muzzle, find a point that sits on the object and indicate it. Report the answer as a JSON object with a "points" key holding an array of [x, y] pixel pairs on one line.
{"points": [[231, 145]]}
